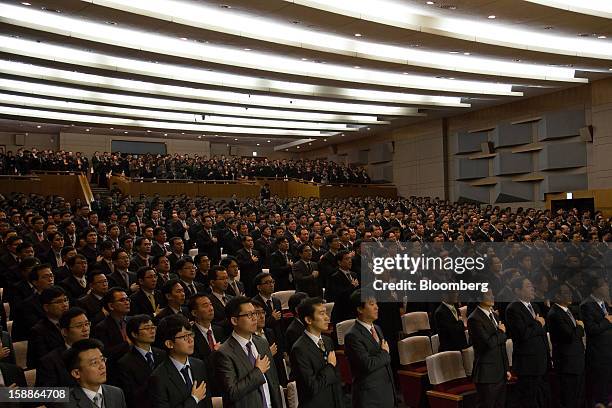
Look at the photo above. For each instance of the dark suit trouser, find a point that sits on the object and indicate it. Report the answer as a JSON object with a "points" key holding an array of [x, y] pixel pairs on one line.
{"points": [[491, 395], [571, 390], [534, 391]]}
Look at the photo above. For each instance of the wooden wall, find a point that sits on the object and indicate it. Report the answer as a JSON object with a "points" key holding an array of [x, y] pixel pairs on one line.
{"points": [[70, 187]]}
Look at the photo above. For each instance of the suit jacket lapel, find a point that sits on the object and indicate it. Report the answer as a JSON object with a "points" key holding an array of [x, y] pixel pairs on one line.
{"points": [[238, 350], [81, 399], [366, 333], [176, 377]]}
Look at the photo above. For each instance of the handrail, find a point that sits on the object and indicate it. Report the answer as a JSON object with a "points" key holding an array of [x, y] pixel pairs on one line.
{"points": [[18, 177], [59, 172]]}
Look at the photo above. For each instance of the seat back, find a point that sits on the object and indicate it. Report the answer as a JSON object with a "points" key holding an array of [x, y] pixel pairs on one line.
{"points": [[328, 308], [193, 253], [468, 360], [509, 350], [342, 328], [21, 353], [283, 297], [444, 367], [217, 402], [30, 376], [435, 343], [414, 349], [463, 314], [292, 395], [415, 321]]}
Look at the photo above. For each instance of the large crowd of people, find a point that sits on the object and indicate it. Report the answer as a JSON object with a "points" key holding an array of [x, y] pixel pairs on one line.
{"points": [[167, 291], [178, 167]]}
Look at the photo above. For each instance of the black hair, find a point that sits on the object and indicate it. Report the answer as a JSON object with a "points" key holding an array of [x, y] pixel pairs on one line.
{"points": [[72, 355], [307, 307], [133, 324], [66, 318]]}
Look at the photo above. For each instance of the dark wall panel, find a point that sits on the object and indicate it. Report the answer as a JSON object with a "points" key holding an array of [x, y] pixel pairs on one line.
{"points": [[563, 156], [512, 163], [470, 169], [556, 125], [507, 134], [470, 142]]}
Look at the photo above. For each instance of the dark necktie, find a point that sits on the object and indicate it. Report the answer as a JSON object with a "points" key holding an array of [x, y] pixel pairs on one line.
{"points": [[269, 304], [322, 347], [531, 310], [185, 372], [603, 308], [492, 317], [149, 357], [192, 290], [209, 338], [375, 335], [252, 359], [569, 312], [309, 267]]}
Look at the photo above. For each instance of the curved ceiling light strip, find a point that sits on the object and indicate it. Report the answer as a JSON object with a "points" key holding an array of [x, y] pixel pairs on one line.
{"points": [[415, 19], [32, 102], [102, 33], [206, 95], [148, 124], [68, 55], [129, 100], [229, 22], [597, 8]]}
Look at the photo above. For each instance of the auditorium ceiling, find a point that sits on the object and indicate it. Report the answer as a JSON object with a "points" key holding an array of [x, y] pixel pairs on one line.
{"points": [[295, 74]]}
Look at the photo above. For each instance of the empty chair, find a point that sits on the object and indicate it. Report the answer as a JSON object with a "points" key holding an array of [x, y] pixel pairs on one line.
{"points": [[283, 396], [21, 353], [328, 308], [217, 402], [9, 326], [193, 252], [435, 343], [283, 296], [468, 360], [451, 387], [414, 322], [509, 350], [30, 376], [7, 309], [463, 314], [413, 376], [342, 328], [292, 395], [414, 349]]}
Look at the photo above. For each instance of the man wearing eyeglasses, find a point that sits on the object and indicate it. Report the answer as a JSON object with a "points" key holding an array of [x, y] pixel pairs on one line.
{"points": [[135, 367], [46, 335], [51, 371], [87, 366], [243, 363], [112, 331], [180, 381]]}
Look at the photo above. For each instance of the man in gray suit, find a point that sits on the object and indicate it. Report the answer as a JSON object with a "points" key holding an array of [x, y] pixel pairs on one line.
{"points": [[87, 366], [242, 364]]}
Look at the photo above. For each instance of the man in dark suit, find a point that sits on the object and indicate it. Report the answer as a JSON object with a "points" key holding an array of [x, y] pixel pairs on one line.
{"points": [[296, 327], [306, 273], [598, 325], [249, 263], [45, 335], [147, 300], [25, 287], [368, 355], [207, 241], [530, 357], [51, 371], [491, 368], [234, 286], [281, 264], [272, 306], [158, 246], [76, 284], [177, 248], [328, 263], [243, 368], [313, 360], [122, 277], [186, 271], [340, 286], [92, 302], [174, 295], [135, 367], [449, 325], [218, 296], [208, 336], [87, 365], [181, 380], [566, 335], [12, 375], [112, 330]]}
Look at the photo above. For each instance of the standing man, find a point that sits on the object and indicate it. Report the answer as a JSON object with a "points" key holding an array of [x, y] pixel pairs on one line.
{"points": [[598, 326], [208, 336], [530, 356], [491, 367], [449, 325], [306, 273], [314, 361], [243, 364], [368, 355], [566, 335], [112, 330], [180, 381], [87, 366]]}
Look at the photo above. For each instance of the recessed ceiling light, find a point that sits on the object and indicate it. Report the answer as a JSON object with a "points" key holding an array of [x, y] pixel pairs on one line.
{"points": [[25, 3], [271, 141], [491, 17], [467, 53], [125, 132], [112, 128], [405, 73], [357, 35], [200, 136], [298, 147], [325, 140], [430, 2], [226, 6], [286, 150], [601, 37], [304, 59], [247, 49], [165, 134], [148, 131], [356, 67], [182, 133], [235, 140], [87, 130], [257, 144], [309, 144], [39, 126], [368, 128], [453, 52], [184, 38], [451, 78]]}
